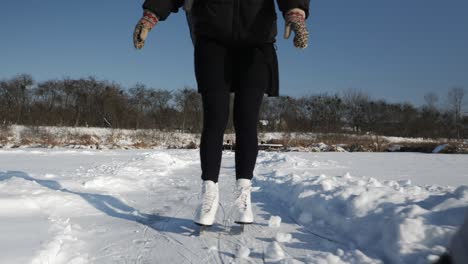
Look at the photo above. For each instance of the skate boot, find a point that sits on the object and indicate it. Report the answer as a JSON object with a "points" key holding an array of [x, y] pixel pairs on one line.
{"points": [[244, 214], [206, 212]]}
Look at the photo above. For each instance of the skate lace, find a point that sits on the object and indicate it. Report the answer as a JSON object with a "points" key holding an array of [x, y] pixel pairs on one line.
{"points": [[242, 195], [208, 200]]}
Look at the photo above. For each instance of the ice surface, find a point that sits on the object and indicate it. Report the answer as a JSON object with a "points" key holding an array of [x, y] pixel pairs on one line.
{"points": [[88, 206]]}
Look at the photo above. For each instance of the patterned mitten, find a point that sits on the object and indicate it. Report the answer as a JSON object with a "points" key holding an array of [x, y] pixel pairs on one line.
{"points": [[144, 26], [295, 21]]}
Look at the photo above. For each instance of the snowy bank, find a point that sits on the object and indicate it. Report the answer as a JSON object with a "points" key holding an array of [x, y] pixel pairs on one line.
{"points": [[394, 221], [107, 138]]}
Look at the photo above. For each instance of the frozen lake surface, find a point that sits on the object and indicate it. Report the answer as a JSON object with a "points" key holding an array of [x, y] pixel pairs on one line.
{"points": [[136, 206]]}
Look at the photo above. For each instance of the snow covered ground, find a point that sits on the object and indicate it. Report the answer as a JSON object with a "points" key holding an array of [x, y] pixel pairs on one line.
{"points": [[134, 206]]}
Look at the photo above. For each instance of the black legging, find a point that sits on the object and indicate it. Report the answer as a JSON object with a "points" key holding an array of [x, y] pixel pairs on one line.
{"points": [[217, 69]]}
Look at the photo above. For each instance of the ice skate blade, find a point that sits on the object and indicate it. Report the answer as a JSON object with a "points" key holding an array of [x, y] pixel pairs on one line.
{"points": [[243, 223], [202, 225]]}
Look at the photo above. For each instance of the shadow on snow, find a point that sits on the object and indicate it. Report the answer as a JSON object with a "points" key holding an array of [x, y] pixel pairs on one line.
{"points": [[114, 207]]}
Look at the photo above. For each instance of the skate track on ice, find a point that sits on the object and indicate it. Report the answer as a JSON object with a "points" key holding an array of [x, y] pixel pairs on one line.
{"points": [[63, 206]]}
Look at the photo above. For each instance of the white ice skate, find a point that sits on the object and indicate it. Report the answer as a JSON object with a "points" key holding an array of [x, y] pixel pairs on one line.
{"points": [[206, 212], [244, 214]]}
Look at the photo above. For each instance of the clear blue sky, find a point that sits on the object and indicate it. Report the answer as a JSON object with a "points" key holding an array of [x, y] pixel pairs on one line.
{"points": [[394, 49]]}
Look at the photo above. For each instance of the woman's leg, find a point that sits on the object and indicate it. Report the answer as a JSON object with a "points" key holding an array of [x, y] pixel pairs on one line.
{"points": [[213, 73], [215, 118], [253, 76]]}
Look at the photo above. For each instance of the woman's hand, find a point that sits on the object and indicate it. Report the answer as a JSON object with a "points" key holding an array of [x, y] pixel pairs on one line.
{"points": [[295, 21], [143, 27]]}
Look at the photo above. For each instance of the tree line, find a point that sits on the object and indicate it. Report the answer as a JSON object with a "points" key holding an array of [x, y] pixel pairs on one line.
{"points": [[100, 103]]}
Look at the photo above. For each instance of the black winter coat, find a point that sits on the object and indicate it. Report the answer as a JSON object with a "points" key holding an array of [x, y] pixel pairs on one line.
{"points": [[244, 22]]}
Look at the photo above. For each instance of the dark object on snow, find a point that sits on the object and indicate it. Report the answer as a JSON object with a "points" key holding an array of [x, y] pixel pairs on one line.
{"points": [[427, 148], [356, 148], [262, 146], [270, 147], [228, 145]]}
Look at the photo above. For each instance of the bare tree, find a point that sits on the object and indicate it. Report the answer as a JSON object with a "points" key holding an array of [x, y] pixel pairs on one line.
{"points": [[140, 100], [189, 104], [355, 101], [161, 108], [15, 95], [101, 103], [455, 98]]}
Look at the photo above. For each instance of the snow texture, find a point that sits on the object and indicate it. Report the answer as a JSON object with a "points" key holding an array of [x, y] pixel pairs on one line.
{"points": [[243, 252], [274, 252], [283, 237], [275, 221], [114, 206]]}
